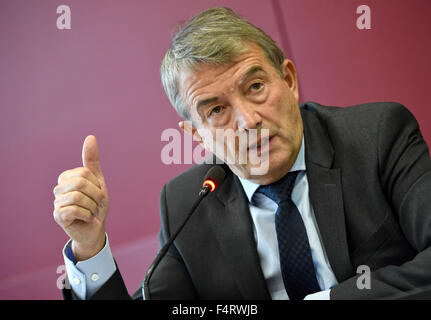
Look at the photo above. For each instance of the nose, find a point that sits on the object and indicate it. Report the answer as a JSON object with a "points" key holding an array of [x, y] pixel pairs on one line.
{"points": [[247, 117]]}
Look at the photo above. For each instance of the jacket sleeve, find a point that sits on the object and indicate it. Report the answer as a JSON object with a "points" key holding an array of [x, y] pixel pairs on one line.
{"points": [[405, 177]]}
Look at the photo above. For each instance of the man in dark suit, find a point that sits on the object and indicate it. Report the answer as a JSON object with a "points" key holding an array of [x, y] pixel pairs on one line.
{"points": [[357, 181]]}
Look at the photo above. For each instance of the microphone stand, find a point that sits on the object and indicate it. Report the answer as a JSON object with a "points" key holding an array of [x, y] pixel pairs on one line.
{"points": [[202, 194]]}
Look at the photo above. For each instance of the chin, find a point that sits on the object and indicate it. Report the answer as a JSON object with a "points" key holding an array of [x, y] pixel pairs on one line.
{"points": [[258, 174], [266, 172]]}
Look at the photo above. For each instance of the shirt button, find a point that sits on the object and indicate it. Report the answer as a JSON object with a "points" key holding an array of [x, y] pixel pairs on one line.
{"points": [[94, 277], [76, 280]]}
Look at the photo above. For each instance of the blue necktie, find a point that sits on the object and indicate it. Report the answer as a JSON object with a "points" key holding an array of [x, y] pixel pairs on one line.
{"points": [[297, 268]]}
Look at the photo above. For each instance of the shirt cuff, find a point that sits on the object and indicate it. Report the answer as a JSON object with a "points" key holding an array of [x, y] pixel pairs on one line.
{"points": [[321, 295], [88, 276]]}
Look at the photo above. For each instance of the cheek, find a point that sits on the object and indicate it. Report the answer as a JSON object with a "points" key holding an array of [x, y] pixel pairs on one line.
{"points": [[207, 139], [284, 115], [276, 108]]}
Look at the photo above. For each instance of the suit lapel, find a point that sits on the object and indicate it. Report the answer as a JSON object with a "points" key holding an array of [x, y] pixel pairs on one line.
{"points": [[326, 194], [233, 227]]}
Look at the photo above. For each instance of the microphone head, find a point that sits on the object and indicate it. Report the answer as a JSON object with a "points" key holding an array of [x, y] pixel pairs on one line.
{"points": [[214, 177]]}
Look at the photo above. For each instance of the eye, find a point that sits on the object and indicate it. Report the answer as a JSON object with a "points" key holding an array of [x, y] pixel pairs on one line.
{"points": [[256, 86], [216, 110]]}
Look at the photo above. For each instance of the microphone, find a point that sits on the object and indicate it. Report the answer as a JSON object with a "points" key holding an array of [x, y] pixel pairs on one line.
{"points": [[212, 180]]}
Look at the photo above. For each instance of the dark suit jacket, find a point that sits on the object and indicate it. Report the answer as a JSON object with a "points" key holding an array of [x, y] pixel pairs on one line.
{"points": [[369, 174]]}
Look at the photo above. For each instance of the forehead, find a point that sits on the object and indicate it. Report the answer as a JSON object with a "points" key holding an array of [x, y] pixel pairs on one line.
{"points": [[205, 80]]}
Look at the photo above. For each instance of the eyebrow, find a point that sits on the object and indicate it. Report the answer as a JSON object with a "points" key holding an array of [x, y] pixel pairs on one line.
{"points": [[205, 102], [251, 71]]}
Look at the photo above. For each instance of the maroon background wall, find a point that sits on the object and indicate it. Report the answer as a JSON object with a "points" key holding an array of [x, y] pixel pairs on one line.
{"points": [[101, 77]]}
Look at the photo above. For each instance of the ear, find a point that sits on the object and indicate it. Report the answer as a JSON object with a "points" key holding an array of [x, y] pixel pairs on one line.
{"points": [[187, 127], [289, 75]]}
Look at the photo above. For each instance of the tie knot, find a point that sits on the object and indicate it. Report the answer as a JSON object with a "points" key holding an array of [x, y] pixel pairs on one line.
{"points": [[280, 190]]}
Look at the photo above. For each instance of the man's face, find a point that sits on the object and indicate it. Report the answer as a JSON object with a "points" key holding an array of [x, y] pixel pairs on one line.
{"points": [[243, 96]]}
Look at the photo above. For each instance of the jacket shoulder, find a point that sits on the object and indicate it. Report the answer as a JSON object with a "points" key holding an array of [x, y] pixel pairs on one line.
{"points": [[365, 121], [375, 109]]}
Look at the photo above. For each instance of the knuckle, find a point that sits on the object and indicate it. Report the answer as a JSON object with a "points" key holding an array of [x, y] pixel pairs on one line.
{"points": [[80, 183], [77, 197], [58, 204], [99, 196], [58, 191], [55, 215], [59, 199], [59, 217], [85, 172], [67, 215], [62, 175]]}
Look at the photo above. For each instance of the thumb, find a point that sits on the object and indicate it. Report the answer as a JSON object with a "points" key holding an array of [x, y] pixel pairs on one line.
{"points": [[90, 156]]}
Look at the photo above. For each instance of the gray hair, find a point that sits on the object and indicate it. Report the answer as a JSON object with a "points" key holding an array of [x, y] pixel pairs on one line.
{"points": [[214, 36]]}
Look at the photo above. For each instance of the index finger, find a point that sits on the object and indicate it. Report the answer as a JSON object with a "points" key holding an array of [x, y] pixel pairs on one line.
{"points": [[79, 172]]}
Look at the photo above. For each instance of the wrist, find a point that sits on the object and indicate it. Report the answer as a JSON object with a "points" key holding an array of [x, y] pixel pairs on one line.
{"points": [[83, 252]]}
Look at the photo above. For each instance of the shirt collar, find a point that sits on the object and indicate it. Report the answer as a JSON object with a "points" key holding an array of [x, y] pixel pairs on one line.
{"points": [[299, 165]]}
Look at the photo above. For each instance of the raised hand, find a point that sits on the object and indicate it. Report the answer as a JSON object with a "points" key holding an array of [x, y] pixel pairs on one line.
{"points": [[81, 203]]}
